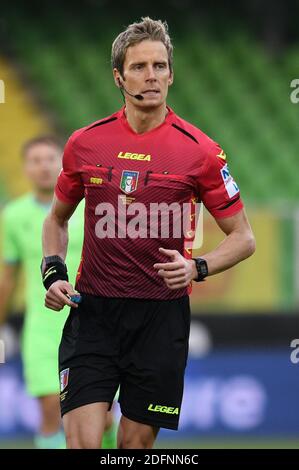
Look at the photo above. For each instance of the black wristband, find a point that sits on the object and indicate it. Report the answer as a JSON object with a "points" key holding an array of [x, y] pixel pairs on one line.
{"points": [[53, 269]]}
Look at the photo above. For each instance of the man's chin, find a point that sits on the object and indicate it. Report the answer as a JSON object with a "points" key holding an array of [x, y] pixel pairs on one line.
{"points": [[151, 102]]}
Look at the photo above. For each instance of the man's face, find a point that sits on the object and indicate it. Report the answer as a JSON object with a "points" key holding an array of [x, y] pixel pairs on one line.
{"points": [[42, 165], [146, 72]]}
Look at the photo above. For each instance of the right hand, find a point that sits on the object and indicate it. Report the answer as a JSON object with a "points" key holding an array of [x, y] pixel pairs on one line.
{"points": [[56, 297]]}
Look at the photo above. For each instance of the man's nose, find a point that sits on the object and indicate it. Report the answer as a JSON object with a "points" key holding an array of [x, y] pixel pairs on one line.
{"points": [[150, 73]]}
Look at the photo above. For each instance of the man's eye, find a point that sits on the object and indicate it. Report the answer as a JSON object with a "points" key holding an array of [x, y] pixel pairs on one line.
{"points": [[161, 66], [138, 67]]}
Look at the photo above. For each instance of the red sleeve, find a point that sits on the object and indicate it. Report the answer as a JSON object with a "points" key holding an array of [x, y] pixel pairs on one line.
{"points": [[69, 187], [217, 188]]}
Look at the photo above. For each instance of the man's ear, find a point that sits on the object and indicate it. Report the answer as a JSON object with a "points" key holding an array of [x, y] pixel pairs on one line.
{"points": [[170, 79], [117, 78]]}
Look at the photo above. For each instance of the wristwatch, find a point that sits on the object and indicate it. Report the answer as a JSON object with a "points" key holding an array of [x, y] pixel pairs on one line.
{"points": [[202, 269]]}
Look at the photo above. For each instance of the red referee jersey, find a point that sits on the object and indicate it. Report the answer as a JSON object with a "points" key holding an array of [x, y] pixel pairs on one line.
{"points": [[122, 175]]}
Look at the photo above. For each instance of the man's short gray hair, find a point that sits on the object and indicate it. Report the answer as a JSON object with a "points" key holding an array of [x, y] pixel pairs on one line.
{"points": [[147, 29]]}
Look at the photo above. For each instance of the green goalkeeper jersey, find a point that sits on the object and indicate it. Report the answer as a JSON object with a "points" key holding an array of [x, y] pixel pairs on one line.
{"points": [[22, 243]]}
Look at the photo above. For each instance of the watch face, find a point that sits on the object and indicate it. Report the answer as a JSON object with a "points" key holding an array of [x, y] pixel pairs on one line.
{"points": [[202, 268]]}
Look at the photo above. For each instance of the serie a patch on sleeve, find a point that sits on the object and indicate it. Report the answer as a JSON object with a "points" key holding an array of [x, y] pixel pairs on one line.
{"points": [[230, 185]]}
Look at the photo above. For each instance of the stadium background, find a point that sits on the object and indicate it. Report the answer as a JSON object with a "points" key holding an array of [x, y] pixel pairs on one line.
{"points": [[234, 64]]}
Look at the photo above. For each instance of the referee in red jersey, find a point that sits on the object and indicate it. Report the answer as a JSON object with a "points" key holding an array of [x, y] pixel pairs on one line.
{"points": [[130, 328]]}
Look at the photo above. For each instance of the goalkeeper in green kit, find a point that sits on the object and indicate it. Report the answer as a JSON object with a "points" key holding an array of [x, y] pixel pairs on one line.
{"points": [[22, 221]]}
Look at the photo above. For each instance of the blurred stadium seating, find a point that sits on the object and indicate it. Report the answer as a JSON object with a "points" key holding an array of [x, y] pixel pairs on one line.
{"points": [[232, 89]]}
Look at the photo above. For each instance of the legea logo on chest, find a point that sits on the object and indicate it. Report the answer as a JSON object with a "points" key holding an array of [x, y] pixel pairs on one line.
{"points": [[135, 156]]}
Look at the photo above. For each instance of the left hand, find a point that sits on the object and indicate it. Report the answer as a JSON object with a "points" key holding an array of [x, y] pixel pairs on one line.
{"points": [[178, 272]]}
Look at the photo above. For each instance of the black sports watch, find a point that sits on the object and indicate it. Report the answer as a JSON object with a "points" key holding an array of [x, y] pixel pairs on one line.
{"points": [[202, 269]]}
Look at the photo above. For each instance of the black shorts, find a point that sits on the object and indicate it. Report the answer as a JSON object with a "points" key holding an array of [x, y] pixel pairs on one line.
{"points": [[138, 345]]}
